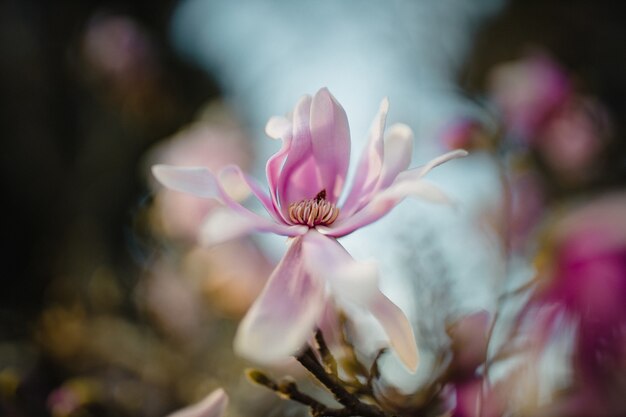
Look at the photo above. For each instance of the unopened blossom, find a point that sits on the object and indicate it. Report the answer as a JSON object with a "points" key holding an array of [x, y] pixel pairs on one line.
{"points": [[213, 405], [306, 178]]}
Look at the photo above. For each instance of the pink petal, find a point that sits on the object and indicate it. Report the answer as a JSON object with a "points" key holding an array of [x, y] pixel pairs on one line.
{"points": [[255, 188], [398, 149], [224, 224], [419, 172], [299, 178], [370, 163], [398, 329], [383, 203], [330, 140], [233, 221], [284, 316], [407, 183], [327, 260], [273, 170], [213, 405]]}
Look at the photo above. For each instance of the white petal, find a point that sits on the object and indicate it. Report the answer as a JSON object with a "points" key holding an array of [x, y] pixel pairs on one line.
{"points": [[398, 149], [286, 313], [398, 329], [419, 172], [198, 181], [278, 127], [422, 189], [213, 405]]}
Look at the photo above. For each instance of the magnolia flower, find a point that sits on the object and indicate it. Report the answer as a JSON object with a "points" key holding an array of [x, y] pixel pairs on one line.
{"points": [[306, 178], [213, 405]]}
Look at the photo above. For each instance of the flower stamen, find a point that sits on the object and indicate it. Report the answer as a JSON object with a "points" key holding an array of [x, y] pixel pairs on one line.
{"points": [[313, 212]]}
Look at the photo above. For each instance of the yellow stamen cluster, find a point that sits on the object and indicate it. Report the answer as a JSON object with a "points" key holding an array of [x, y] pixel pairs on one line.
{"points": [[313, 212]]}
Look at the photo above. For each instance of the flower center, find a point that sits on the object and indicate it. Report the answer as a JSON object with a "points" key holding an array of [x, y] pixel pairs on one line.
{"points": [[313, 212]]}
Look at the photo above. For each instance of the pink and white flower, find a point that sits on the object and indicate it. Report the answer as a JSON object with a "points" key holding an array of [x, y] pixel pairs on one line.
{"points": [[306, 178]]}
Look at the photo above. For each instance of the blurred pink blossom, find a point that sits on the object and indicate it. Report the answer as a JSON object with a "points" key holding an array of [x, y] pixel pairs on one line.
{"points": [[208, 143], [527, 92], [306, 177], [464, 133], [572, 139], [585, 285], [213, 405]]}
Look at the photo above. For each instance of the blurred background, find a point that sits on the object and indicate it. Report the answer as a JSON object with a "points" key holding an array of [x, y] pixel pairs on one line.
{"points": [[108, 307]]}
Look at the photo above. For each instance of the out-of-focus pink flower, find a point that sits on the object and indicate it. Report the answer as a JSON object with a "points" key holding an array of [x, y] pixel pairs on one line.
{"points": [[572, 139], [213, 405], [464, 134], [527, 92], [306, 177], [205, 143], [585, 285]]}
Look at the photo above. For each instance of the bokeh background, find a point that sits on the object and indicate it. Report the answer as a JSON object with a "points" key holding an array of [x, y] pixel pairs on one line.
{"points": [[109, 308]]}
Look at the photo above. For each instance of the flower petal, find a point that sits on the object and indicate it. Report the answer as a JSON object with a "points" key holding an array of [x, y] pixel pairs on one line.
{"points": [[233, 221], [383, 203], [278, 127], [224, 224], [300, 177], [273, 170], [421, 171], [398, 149], [285, 314], [213, 405], [330, 141], [327, 260], [357, 282], [407, 183], [193, 180], [398, 329], [369, 166], [254, 187]]}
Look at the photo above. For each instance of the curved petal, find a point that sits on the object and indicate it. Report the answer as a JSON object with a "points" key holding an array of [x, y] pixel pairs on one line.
{"points": [[330, 141], [272, 171], [398, 149], [370, 163], [254, 187], [327, 260], [383, 203], [419, 172], [285, 314], [198, 181], [235, 220], [357, 282], [398, 329], [278, 127], [213, 405], [300, 177], [224, 224]]}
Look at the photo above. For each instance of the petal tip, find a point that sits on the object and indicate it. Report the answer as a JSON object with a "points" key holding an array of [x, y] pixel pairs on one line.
{"points": [[384, 105]]}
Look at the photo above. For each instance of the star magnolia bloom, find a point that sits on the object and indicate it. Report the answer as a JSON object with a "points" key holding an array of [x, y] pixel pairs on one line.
{"points": [[213, 405], [306, 177]]}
